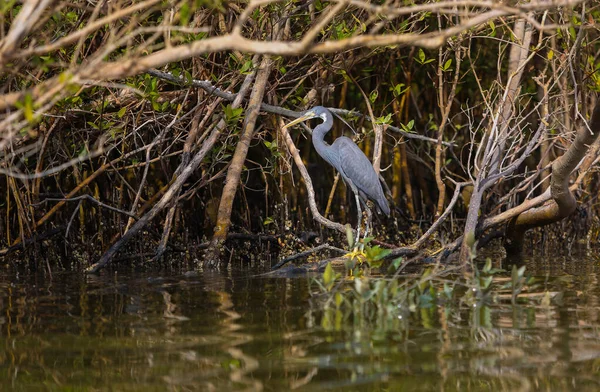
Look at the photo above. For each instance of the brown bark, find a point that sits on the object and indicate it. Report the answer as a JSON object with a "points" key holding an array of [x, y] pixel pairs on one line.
{"points": [[563, 201], [234, 173]]}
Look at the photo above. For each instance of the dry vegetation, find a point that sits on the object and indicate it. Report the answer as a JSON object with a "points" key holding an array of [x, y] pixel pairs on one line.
{"points": [[163, 118]]}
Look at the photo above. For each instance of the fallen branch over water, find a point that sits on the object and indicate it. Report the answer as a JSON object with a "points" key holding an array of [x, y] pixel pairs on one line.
{"points": [[307, 253]]}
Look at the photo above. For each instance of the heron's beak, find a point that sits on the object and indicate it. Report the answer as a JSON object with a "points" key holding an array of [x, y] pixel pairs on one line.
{"points": [[307, 116]]}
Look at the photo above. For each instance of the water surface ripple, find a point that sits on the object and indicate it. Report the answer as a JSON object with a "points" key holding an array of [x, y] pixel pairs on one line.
{"points": [[229, 332]]}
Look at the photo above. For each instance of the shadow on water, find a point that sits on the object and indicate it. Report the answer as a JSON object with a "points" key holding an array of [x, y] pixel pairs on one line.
{"points": [[222, 331]]}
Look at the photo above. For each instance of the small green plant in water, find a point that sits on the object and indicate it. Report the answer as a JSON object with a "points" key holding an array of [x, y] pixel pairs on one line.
{"points": [[387, 303], [372, 256]]}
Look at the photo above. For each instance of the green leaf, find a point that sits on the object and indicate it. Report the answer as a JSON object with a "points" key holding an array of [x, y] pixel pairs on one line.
{"points": [[514, 276], [28, 107], [184, 13], [246, 67], [121, 112], [188, 77], [338, 300], [387, 119], [421, 55], [399, 89], [396, 263], [447, 65], [232, 115], [488, 266], [448, 290], [83, 151], [373, 96], [329, 277], [423, 282], [546, 299], [349, 236], [379, 253], [485, 282]]}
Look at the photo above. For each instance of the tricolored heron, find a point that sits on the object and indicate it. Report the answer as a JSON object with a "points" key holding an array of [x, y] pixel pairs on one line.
{"points": [[349, 160]]}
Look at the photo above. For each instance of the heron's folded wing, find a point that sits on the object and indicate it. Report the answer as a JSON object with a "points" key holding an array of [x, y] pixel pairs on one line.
{"points": [[357, 167]]}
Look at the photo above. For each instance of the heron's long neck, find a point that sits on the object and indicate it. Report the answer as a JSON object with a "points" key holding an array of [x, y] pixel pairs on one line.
{"points": [[318, 139]]}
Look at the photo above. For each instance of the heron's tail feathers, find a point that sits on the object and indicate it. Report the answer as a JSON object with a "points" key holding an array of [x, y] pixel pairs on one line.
{"points": [[383, 205]]}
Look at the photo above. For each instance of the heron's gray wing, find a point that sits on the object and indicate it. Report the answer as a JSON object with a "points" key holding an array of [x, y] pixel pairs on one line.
{"points": [[357, 168]]}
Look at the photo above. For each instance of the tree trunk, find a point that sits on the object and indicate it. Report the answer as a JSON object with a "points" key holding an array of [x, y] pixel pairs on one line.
{"points": [[563, 202], [232, 180]]}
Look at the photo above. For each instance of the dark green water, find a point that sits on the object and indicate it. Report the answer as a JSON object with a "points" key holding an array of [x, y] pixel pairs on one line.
{"points": [[228, 332]]}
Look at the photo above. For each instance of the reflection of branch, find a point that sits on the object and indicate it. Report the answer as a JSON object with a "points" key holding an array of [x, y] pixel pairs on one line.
{"points": [[300, 382]]}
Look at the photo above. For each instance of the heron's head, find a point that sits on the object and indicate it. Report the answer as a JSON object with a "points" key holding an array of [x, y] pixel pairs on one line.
{"points": [[317, 111]]}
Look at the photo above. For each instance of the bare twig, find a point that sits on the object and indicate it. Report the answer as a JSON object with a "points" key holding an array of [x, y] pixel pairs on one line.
{"points": [[173, 190], [307, 181], [90, 199]]}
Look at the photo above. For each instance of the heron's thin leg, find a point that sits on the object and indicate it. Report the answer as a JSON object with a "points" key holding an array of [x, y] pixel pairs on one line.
{"points": [[369, 220], [356, 242]]}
